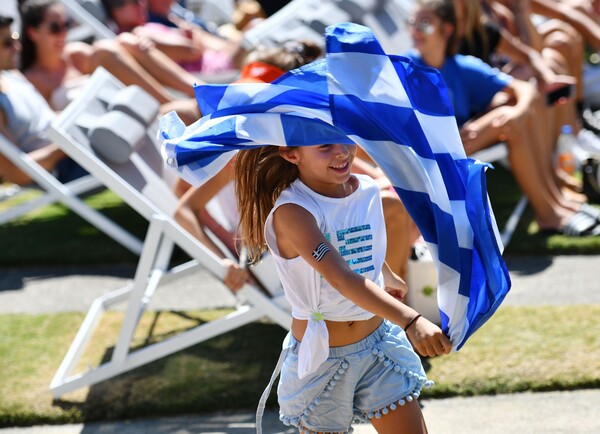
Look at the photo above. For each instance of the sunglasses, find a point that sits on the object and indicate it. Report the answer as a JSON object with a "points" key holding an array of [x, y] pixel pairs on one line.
{"points": [[56, 27], [123, 3], [11, 41], [424, 25]]}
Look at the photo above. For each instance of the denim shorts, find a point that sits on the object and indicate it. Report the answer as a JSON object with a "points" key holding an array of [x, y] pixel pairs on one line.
{"points": [[357, 382]]}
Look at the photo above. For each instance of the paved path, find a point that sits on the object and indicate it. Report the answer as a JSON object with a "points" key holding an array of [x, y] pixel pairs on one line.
{"points": [[536, 281], [525, 413]]}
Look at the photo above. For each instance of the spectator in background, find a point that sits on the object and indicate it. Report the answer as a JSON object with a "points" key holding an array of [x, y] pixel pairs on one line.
{"points": [[190, 46], [482, 35], [25, 117], [557, 48], [59, 69], [490, 107], [583, 15]]}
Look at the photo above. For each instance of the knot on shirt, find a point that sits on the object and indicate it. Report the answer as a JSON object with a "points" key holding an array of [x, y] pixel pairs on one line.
{"points": [[316, 316]]}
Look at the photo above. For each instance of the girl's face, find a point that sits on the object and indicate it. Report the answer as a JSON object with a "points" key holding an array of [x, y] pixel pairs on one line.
{"points": [[426, 31], [324, 168], [51, 34]]}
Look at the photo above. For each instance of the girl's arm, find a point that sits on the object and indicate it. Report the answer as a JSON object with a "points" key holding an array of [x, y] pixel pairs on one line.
{"points": [[584, 24], [302, 238], [187, 213], [394, 284], [523, 54]]}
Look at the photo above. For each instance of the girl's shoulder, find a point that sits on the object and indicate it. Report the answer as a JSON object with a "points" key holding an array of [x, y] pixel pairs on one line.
{"points": [[367, 183], [299, 194]]}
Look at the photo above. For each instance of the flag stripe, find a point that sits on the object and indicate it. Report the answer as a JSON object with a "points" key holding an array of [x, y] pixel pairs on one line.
{"points": [[401, 115]]}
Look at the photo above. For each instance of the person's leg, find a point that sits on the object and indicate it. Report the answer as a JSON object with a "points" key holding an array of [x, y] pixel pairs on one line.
{"points": [[161, 67], [117, 61], [47, 157], [398, 231], [406, 419], [564, 51], [524, 164]]}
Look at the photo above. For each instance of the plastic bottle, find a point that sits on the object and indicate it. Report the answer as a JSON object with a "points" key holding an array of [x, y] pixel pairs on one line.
{"points": [[565, 159]]}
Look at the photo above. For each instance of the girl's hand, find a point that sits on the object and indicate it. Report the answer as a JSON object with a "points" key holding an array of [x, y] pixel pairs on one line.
{"points": [[396, 287], [236, 276], [428, 339]]}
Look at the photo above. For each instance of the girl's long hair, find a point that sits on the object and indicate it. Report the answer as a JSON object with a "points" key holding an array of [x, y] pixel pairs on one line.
{"points": [[261, 174], [33, 13]]}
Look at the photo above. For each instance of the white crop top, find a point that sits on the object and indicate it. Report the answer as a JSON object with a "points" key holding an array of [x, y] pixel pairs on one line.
{"points": [[354, 225]]}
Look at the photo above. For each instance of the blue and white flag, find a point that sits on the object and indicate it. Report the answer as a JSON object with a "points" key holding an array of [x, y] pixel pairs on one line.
{"points": [[401, 115]]}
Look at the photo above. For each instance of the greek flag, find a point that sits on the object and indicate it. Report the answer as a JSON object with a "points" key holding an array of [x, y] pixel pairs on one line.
{"points": [[401, 115]]}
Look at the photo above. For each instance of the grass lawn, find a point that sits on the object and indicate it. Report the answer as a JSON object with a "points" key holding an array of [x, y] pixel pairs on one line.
{"points": [[538, 348], [541, 348], [55, 236]]}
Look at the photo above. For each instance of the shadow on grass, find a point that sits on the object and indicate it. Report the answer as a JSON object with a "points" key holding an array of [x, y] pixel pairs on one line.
{"points": [[504, 194], [55, 235], [207, 377], [14, 279]]}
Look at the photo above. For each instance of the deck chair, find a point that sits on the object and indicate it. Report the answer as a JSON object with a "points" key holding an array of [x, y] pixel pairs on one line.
{"points": [[498, 153], [136, 176], [69, 194], [215, 11], [91, 16], [307, 19]]}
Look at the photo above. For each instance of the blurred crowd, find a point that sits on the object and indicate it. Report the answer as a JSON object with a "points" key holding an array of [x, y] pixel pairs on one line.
{"points": [[518, 71]]}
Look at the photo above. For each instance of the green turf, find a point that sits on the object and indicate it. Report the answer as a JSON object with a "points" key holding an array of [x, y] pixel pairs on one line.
{"points": [[533, 348], [54, 235]]}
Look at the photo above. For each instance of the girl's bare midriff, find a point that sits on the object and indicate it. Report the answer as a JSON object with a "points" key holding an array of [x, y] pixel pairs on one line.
{"points": [[340, 332]]}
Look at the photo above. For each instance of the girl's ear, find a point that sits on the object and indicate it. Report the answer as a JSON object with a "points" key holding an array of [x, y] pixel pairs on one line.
{"points": [[289, 154]]}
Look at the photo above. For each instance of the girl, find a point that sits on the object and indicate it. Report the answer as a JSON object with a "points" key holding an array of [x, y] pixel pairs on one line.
{"points": [[348, 354]]}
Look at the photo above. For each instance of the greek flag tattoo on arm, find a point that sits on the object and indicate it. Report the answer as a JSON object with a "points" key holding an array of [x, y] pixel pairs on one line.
{"points": [[320, 251]]}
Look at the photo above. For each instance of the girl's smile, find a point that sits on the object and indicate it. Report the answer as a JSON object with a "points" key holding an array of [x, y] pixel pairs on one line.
{"points": [[324, 168]]}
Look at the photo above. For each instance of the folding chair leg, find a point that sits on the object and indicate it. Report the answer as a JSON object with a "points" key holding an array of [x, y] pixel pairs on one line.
{"points": [[141, 286], [513, 221], [63, 193]]}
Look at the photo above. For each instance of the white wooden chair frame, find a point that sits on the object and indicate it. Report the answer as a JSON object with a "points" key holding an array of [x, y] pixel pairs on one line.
{"points": [[499, 153], [152, 270], [68, 194]]}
